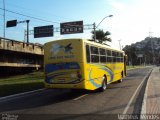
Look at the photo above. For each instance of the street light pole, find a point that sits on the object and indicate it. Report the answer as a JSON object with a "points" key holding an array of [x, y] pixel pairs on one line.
{"points": [[95, 27], [153, 57], [103, 19], [4, 19]]}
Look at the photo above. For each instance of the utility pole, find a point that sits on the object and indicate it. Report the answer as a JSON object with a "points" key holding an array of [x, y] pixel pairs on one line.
{"points": [[27, 31], [120, 44], [145, 60], [153, 58], [94, 29], [14, 23], [4, 20]]}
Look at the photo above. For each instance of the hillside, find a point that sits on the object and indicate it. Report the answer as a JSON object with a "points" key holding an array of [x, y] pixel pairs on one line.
{"points": [[146, 51]]}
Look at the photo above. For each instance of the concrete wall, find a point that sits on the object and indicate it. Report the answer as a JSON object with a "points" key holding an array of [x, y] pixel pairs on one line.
{"points": [[13, 45], [16, 56]]}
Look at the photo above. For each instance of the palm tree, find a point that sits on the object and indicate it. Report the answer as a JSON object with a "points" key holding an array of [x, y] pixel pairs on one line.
{"points": [[101, 36]]}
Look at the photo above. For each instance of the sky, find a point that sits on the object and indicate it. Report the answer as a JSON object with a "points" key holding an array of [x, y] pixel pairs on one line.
{"points": [[131, 22]]}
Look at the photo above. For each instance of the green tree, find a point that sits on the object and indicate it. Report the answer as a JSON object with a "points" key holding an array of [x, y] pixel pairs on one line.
{"points": [[101, 36], [130, 50]]}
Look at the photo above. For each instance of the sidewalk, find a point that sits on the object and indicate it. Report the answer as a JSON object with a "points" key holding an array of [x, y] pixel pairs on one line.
{"points": [[151, 101]]}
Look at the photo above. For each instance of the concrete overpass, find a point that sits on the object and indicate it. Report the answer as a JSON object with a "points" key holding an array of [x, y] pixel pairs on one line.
{"points": [[19, 57]]}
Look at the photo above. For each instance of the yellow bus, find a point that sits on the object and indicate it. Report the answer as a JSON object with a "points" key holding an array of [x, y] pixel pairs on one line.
{"points": [[82, 64]]}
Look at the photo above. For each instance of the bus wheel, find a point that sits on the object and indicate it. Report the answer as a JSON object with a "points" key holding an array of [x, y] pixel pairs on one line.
{"points": [[104, 84]]}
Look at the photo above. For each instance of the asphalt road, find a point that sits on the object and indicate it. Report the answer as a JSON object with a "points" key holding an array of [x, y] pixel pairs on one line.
{"points": [[119, 98]]}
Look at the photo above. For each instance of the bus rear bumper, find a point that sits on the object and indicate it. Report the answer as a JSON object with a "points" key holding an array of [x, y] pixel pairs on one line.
{"points": [[82, 85], [67, 86]]}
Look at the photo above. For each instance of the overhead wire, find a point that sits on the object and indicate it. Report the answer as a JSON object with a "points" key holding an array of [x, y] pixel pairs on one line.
{"points": [[29, 16], [36, 10]]}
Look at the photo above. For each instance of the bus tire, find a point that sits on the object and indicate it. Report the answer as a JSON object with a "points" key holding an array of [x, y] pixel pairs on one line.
{"points": [[104, 84]]}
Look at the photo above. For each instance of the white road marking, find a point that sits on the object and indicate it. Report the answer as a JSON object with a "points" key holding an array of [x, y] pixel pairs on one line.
{"points": [[133, 96], [80, 97], [6, 98]]}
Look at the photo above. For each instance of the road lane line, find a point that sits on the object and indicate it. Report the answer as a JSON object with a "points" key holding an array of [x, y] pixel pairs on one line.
{"points": [[133, 96], [6, 98], [80, 97]]}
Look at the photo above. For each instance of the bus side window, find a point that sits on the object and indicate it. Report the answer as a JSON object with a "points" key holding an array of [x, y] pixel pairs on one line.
{"points": [[102, 51], [87, 53], [109, 57], [94, 58], [102, 55], [114, 56], [94, 54], [121, 55], [94, 50], [118, 59]]}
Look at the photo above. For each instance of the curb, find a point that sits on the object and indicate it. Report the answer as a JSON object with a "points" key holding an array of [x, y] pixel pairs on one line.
{"points": [[143, 108], [6, 98], [134, 94]]}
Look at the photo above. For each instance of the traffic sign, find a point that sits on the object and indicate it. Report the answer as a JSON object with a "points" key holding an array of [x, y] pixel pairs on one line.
{"points": [[71, 27], [43, 31], [11, 23]]}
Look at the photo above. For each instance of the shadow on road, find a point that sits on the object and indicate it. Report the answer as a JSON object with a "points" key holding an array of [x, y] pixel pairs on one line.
{"points": [[44, 98]]}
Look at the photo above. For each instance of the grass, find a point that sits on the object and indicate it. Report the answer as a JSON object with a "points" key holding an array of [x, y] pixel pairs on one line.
{"points": [[132, 67], [21, 83]]}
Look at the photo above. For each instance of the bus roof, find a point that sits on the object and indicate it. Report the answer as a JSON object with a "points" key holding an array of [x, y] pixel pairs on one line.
{"points": [[89, 41], [101, 45]]}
